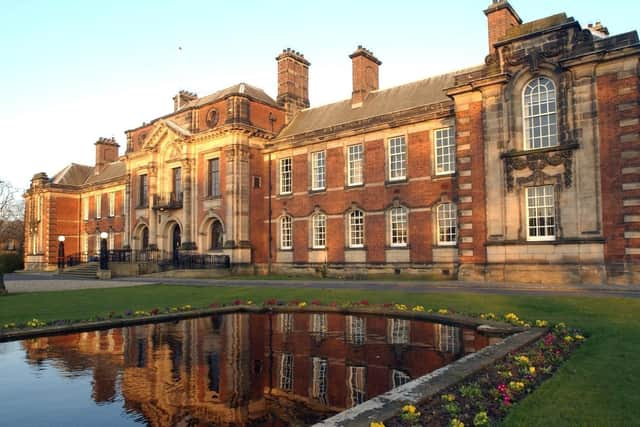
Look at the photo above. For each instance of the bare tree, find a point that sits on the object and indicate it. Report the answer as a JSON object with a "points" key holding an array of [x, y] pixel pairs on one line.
{"points": [[11, 224]]}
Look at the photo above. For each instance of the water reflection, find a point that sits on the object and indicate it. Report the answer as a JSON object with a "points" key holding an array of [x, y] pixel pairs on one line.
{"points": [[251, 369]]}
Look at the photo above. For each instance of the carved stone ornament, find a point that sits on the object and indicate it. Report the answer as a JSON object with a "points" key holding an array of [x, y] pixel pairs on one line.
{"points": [[536, 163], [533, 56], [212, 117]]}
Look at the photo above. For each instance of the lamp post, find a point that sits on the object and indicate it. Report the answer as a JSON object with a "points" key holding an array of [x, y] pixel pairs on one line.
{"points": [[61, 252], [104, 263]]}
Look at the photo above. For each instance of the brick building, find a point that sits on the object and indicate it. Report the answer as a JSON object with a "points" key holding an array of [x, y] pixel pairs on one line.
{"points": [[524, 168]]}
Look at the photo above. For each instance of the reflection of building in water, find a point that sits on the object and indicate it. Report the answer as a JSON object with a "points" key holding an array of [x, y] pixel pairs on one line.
{"points": [[255, 369]]}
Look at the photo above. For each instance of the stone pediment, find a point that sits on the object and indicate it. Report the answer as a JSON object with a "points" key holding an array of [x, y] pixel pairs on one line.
{"points": [[165, 131]]}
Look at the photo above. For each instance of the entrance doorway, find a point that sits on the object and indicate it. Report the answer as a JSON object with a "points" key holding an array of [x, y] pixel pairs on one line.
{"points": [[176, 241]]}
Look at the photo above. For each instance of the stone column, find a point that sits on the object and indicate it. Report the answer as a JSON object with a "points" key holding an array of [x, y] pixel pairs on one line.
{"points": [[152, 190], [187, 239]]}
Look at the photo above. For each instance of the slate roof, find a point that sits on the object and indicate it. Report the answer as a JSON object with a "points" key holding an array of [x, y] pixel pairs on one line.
{"points": [[380, 102], [240, 88], [79, 175]]}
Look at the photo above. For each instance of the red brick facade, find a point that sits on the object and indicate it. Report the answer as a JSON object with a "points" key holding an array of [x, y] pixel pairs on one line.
{"points": [[443, 176]]}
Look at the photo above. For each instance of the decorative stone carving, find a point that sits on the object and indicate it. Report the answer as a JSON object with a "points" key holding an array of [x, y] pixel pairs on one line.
{"points": [[533, 56], [536, 162]]}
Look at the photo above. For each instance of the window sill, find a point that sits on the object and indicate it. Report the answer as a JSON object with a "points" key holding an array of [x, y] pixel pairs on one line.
{"points": [[218, 197], [355, 248], [317, 191], [323, 248], [559, 147], [392, 182], [354, 186], [407, 246], [285, 249], [442, 176], [284, 195]]}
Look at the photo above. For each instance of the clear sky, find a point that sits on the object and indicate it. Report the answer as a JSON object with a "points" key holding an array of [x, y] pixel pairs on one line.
{"points": [[75, 70]]}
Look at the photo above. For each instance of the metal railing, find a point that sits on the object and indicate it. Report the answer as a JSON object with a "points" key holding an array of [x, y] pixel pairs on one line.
{"points": [[171, 200], [183, 260]]}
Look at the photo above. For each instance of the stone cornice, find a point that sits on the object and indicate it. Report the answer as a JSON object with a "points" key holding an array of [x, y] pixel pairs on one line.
{"points": [[478, 83]]}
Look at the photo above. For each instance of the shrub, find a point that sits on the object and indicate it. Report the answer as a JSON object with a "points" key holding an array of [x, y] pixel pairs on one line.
{"points": [[10, 262]]}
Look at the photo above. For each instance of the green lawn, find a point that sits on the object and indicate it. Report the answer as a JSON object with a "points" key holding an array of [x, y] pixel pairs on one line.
{"points": [[599, 385]]}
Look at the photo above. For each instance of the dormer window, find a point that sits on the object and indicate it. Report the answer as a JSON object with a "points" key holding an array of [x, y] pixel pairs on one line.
{"points": [[540, 114]]}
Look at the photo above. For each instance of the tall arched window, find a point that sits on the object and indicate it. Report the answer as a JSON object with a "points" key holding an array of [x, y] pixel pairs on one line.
{"points": [[216, 234], [447, 224], [319, 231], [356, 229], [540, 114], [398, 226], [286, 241], [145, 238]]}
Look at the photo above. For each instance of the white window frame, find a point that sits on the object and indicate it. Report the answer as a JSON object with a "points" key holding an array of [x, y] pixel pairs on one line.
{"points": [[447, 224], [111, 242], [356, 330], [542, 206], [357, 384], [286, 372], [286, 175], [318, 170], [285, 323], [318, 324], [539, 103], [444, 150], [98, 240], [112, 204], [399, 378], [355, 164], [85, 209], [398, 227], [286, 232], [319, 380], [397, 158], [98, 199], [448, 338], [398, 330], [319, 231], [355, 229]]}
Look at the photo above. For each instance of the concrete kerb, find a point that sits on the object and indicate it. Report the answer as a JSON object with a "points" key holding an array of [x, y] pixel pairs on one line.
{"points": [[489, 327], [389, 404]]}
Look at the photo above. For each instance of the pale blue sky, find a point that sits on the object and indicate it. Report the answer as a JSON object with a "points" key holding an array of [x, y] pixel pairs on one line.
{"points": [[73, 71]]}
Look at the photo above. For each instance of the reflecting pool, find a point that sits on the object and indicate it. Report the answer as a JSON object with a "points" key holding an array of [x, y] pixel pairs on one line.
{"points": [[241, 369]]}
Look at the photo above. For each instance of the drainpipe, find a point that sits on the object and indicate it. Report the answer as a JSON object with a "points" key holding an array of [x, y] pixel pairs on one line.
{"points": [[270, 236]]}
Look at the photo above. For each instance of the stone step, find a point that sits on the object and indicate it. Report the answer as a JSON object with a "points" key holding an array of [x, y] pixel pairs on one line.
{"points": [[87, 270]]}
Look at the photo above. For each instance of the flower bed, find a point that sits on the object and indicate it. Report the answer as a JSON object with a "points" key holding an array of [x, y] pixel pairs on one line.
{"points": [[485, 397]]}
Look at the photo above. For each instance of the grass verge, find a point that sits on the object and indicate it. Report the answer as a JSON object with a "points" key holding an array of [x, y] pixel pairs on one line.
{"points": [[597, 386]]}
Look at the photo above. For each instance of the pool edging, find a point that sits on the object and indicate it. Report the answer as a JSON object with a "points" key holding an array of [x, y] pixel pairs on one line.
{"points": [[452, 319], [389, 404]]}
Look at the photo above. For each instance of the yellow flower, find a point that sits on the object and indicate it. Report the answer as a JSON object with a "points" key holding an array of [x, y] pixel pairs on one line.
{"points": [[511, 317], [302, 304], [418, 308], [443, 311], [376, 424], [409, 409], [541, 323], [568, 339], [456, 423], [400, 307], [249, 302], [516, 386], [578, 337], [523, 360], [448, 397], [532, 370]]}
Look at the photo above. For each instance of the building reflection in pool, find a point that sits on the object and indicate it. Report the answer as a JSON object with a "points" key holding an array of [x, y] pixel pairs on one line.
{"points": [[255, 369]]}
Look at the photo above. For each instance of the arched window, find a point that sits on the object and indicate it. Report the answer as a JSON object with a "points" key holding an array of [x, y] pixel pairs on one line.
{"points": [[356, 229], [216, 235], [447, 224], [319, 231], [286, 241], [540, 114], [398, 226]]}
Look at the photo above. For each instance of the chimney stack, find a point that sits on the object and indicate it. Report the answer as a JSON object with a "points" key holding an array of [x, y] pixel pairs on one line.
{"points": [[501, 17], [183, 98], [365, 75], [293, 82], [106, 152]]}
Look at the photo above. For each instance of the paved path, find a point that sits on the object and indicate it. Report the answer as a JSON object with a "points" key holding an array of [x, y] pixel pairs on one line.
{"points": [[38, 282]]}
